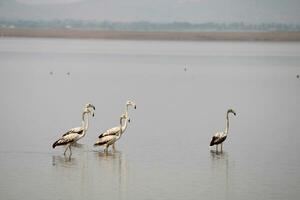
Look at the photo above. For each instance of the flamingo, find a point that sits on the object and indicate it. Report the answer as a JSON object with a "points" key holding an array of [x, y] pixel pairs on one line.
{"points": [[74, 134], [220, 137], [114, 130], [110, 136]]}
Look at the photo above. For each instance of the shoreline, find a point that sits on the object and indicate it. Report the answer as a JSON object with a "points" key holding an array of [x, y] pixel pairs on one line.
{"points": [[139, 35]]}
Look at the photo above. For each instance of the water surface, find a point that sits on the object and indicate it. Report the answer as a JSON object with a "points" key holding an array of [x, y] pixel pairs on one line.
{"points": [[182, 91]]}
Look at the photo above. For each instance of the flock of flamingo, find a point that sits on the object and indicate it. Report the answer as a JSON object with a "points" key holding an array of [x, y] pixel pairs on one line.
{"points": [[111, 136]]}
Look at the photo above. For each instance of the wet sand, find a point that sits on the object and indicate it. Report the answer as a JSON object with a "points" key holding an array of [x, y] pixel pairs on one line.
{"points": [[136, 35]]}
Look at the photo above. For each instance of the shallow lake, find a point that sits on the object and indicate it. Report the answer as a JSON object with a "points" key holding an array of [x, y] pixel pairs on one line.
{"points": [[182, 91]]}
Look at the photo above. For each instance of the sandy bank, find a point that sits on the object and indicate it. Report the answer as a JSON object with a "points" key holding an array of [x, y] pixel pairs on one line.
{"points": [[135, 35]]}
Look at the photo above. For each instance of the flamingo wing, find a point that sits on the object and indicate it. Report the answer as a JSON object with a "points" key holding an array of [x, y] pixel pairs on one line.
{"points": [[77, 130], [218, 138], [106, 139], [69, 138], [113, 132]]}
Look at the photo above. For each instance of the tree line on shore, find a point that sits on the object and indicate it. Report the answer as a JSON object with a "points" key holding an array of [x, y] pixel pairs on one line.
{"points": [[148, 26]]}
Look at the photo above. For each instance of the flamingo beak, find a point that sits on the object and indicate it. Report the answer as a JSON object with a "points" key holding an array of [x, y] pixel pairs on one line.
{"points": [[134, 106], [129, 120]]}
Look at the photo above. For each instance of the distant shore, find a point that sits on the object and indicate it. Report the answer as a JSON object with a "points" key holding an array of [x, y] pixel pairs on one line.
{"points": [[136, 35]]}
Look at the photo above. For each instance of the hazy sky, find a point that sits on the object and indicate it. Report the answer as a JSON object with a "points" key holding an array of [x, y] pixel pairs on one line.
{"points": [[197, 11]]}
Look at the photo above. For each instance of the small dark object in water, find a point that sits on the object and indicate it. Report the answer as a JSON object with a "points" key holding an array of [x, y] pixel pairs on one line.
{"points": [[185, 69], [68, 73], [298, 76], [51, 73]]}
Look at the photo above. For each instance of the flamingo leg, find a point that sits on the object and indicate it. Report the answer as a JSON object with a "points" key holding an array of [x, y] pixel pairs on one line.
{"points": [[216, 148], [66, 150], [70, 150], [113, 146], [221, 147]]}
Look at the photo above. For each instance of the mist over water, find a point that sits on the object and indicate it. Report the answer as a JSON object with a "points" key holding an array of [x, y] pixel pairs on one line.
{"points": [[182, 91]]}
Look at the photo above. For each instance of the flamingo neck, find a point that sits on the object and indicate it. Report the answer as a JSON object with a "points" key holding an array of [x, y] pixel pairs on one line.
{"points": [[121, 129], [227, 124], [124, 126], [126, 110], [85, 123]]}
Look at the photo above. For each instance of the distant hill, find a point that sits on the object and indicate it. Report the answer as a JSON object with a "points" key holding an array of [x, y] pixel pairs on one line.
{"points": [[149, 26]]}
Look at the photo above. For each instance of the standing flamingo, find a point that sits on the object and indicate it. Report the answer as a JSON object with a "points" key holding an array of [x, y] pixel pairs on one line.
{"points": [[220, 137], [110, 136], [74, 134]]}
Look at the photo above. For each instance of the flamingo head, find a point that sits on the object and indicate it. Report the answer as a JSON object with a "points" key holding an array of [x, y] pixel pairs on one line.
{"points": [[231, 111], [131, 103], [90, 108]]}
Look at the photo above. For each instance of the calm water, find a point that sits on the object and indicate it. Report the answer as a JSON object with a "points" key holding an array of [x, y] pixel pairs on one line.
{"points": [[182, 91]]}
